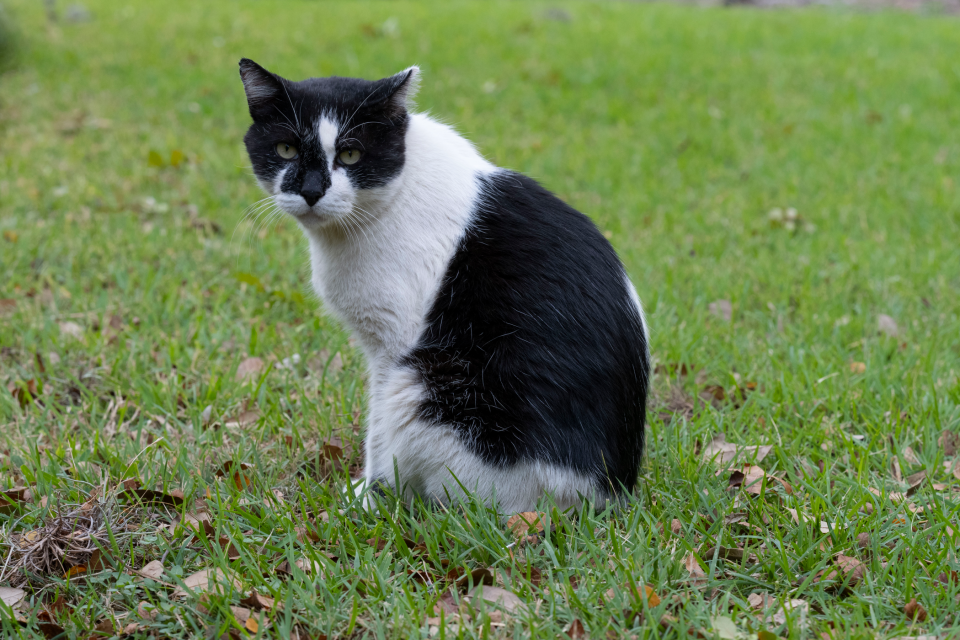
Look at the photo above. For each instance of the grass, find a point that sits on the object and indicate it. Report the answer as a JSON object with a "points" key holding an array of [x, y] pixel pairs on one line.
{"points": [[123, 187]]}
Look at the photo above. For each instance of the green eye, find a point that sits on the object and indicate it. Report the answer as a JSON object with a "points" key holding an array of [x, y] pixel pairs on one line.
{"points": [[286, 151], [349, 156]]}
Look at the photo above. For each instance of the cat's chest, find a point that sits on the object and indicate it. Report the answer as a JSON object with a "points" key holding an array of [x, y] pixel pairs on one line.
{"points": [[382, 285]]}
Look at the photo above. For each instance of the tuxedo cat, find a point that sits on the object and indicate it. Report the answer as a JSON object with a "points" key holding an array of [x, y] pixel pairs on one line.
{"points": [[507, 348]]}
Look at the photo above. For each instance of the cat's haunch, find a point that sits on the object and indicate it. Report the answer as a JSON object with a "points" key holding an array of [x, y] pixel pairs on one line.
{"points": [[507, 348]]}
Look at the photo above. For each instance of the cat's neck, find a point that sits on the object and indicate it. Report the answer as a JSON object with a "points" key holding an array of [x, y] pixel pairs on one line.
{"points": [[380, 274]]}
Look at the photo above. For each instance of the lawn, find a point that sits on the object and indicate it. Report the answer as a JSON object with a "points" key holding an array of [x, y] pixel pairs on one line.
{"points": [[782, 186]]}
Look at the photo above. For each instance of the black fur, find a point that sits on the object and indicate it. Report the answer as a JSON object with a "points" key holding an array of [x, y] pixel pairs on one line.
{"points": [[372, 116], [534, 349]]}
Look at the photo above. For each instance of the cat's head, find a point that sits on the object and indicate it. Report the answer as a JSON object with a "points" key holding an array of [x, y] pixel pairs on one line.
{"points": [[323, 147]]}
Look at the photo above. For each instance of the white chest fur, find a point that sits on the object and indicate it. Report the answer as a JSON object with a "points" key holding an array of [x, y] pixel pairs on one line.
{"points": [[380, 276]]}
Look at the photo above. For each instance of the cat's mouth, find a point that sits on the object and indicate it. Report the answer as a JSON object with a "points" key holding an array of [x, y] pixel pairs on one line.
{"points": [[320, 214]]}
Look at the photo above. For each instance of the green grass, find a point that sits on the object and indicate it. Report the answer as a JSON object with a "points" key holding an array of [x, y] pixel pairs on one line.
{"points": [[677, 129]]}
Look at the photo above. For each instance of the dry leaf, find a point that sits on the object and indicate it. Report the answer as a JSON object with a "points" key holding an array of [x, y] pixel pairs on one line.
{"points": [[147, 611], [248, 417], [258, 602], [796, 610], [234, 470], [692, 565], [576, 630], [248, 369], [761, 601], [11, 596], [858, 367], [149, 495], [526, 523], [915, 611], [206, 580], [910, 456], [895, 469], [887, 325], [723, 453], [11, 499], [914, 481], [152, 570], [71, 329], [648, 595], [676, 527], [502, 599], [750, 477], [949, 442], [722, 309]]}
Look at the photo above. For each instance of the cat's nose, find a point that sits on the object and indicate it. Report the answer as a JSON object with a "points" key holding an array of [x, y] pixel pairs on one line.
{"points": [[314, 186]]}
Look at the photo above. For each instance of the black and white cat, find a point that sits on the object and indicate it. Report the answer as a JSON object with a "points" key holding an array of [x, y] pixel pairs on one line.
{"points": [[507, 348]]}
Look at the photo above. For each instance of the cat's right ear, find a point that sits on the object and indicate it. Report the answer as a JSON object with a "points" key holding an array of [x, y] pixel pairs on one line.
{"points": [[262, 88]]}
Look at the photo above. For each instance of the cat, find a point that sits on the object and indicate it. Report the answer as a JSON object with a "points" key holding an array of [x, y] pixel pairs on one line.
{"points": [[507, 349]]}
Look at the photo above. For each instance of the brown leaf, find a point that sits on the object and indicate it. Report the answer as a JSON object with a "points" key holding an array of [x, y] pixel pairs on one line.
{"points": [[722, 309], [11, 596], [796, 610], [502, 599], [149, 495], [723, 453], [761, 601], [248, 417], [206, 580], [858, 367], [895, 469], [147, 611], [728, 553], [692, 565], [7, 305], [526, 523], [475, 577], [249, 369], [915, 611], [235, 471], [152, 570], [863, 540], [576, 630], [750, 477], [260, 603], [648, 595], [887, 325], [714, 394], [910, 455], [948, 578], [676, 527], [949, 442], [915, 481], [12, 499]]}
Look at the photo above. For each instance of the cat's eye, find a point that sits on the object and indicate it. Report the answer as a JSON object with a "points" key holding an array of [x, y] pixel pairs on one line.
{"points": [[349, 156], [286, 151]]}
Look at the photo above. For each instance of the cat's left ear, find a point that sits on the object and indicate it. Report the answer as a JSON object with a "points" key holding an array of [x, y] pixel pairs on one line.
{"points": [[262, 88], [397, 92]]}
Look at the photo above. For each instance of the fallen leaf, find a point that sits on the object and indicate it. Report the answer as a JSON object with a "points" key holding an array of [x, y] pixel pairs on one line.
{"points": [[914, 481], [722, 309], [714, 394], [648, 595], [152, 570], [858, 367], [206, 580], [12, 499], [949, 442], [7, 305], [526, 523], [507, 601], [760, 601], [692, 565], [248, 369], [750, 477], [71, 329], [147, 611], [10, 596], [476, 577], [910, 456], [676, 527], [887, 325], [949, 578], [149, 495], [259, 602], [796, 610], [863, 540], [915, 611], [235, 471], [724, 627], [576, 630], [895, 469], [721, 452], [248, 417]]}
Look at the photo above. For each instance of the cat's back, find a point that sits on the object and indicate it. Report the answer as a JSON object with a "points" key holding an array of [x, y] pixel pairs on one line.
{"points": [[535, 347]]}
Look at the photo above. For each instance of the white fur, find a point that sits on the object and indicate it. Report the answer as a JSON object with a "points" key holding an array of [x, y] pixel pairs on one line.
{"points": [[643, 317], [378, 257]]}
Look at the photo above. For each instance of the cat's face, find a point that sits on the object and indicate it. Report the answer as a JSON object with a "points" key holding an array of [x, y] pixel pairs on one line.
{"points": [[325, 147]]}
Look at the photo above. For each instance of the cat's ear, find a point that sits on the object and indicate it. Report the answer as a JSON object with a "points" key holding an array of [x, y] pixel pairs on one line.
{"points": [[262, 88], [397, 92]]}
